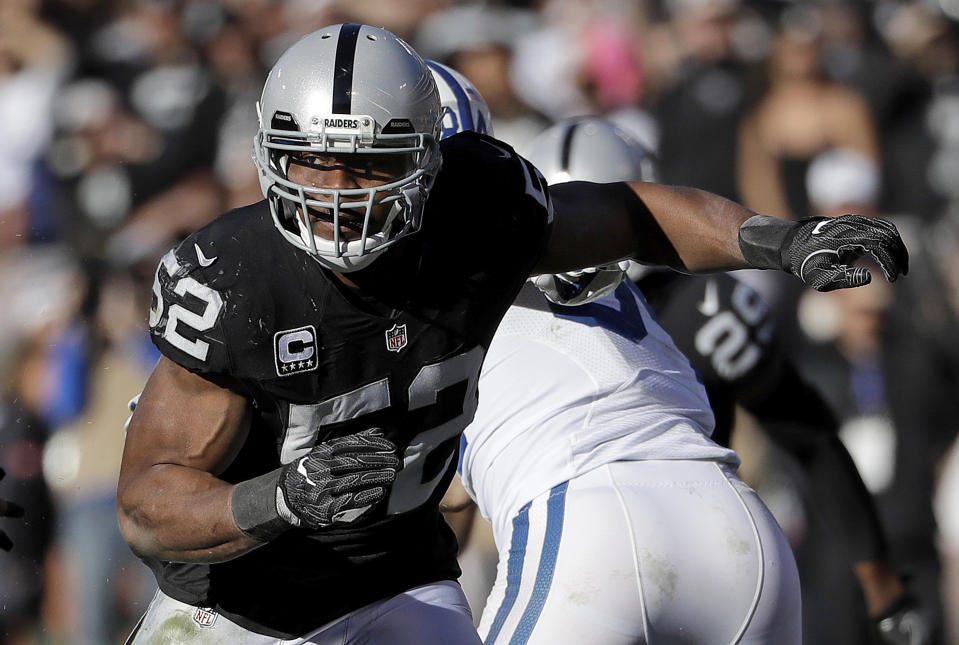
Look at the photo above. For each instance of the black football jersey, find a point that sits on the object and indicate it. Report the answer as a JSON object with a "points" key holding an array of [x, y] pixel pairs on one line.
{"points": [[723, 326], [318, 359]]}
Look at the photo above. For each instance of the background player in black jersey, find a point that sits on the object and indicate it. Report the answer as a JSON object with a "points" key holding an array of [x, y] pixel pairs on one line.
{"points": [[725, 329], [282, 470]]}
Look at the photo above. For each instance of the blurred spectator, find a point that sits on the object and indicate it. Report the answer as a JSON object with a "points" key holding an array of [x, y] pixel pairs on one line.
{"points": [[79, 21], [22, 437], [581, 59], [921, 131], [854, 54], [401, 18], [610, 72], [947, 515], [478, 41], [33, 59], [936, 299], [37, 286], [232, 54], [141, 132], [800, 133], [845, 181], [116, 362], [797, 115], [276, 24], [896, 401], [841, 181], [880, 356], [588, 58], [546, 55], [699, 112]]}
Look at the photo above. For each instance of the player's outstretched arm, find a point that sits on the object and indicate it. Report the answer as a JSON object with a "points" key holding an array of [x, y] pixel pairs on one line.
{"points": [[170, 503], [693, 230], [186, 430]]}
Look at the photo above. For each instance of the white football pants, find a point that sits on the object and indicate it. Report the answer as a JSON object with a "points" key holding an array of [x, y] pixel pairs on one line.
{"points": [[433, 613], [645, 553]]}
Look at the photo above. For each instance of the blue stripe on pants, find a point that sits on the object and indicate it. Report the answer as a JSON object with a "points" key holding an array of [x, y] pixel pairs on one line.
{"points": [[555, 509], [514, 570]]}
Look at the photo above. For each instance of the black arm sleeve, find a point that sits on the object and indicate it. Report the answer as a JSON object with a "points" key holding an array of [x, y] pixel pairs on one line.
{"points": [[799, 420]]}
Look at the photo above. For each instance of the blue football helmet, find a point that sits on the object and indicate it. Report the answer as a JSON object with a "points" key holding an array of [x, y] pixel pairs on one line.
{"points": [[463, 105]]}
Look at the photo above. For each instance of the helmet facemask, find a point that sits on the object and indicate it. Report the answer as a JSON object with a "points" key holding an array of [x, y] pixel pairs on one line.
{"points": [[412, 160], [360, 106]]}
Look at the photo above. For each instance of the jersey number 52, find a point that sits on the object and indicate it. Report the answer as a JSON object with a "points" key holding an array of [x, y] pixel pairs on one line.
{"points": [[414, 485]]}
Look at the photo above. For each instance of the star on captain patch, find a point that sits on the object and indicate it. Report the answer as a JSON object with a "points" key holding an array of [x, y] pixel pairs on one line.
{"points": [[396, 337]]}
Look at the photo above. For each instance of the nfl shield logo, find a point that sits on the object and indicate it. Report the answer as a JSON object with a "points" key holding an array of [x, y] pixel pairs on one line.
{"points": [[204, 617], [396, 338]]}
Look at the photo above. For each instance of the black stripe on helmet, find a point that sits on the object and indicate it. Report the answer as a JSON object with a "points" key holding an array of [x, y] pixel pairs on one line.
{"points": [[343, 68], [567, 148]]}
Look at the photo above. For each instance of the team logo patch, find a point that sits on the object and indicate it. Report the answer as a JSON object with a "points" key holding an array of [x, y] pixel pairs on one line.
{"points": [[396, 337], [204, 617], [295, 350]]}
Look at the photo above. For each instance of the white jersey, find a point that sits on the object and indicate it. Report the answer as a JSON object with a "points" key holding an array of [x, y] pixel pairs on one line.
{"points": [[565, 390]]}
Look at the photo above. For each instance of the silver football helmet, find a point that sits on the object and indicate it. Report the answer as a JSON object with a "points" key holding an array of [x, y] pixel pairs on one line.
{"points": [[588, 149], [463, 105], [346, 90]]}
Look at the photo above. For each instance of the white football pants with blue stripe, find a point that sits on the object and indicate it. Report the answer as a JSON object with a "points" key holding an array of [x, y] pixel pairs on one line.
{"points": [[645, 553]]}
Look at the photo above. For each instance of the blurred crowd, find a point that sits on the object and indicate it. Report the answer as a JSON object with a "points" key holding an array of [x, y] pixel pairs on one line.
{"points": [[126, 124]]}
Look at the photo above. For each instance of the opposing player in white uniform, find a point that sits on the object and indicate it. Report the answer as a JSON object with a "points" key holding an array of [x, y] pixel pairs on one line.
{"points": [[616, 517]]}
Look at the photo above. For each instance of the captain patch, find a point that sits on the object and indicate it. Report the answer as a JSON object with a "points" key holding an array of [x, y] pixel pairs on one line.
{"points": [[295, 350]]}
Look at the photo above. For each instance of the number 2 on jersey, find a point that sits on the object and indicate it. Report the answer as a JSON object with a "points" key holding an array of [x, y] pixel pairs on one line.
{"points": [[726, 338]]}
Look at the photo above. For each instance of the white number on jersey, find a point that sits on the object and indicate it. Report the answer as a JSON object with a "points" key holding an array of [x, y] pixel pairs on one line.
{"points": [[176, 314], [409, 490], [725, 340]]}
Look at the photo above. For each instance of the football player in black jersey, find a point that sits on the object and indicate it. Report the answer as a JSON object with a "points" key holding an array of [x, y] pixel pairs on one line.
{"points": [[321, 348], [724, 327]]}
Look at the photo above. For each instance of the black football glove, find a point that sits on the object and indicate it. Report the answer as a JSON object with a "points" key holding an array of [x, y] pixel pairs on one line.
{"points": [[7, 509], [822, 250], [903, 623], [339, 480]]}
